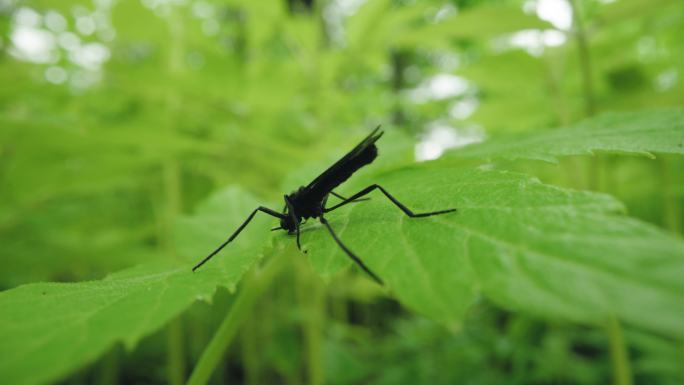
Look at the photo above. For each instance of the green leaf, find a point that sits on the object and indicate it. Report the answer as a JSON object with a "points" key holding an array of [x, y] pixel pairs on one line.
{"points": [[59, 327], [528, 246], [643, 133]]}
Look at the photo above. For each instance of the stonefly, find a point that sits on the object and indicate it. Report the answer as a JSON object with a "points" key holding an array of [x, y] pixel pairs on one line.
{"points": [[310, 201]]}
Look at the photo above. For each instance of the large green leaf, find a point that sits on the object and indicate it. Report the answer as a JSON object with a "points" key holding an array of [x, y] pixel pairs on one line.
{"points": [[644, 132], [528, 246], [59, 327]]}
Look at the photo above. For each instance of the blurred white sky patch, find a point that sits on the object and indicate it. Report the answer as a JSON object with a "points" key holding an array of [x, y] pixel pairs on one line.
{"points": [[55, 22], [6, 4], [348, 7], [556, 12], [439, 87], [90, 56], [56, 75], [441, 136], [69, 41], [85, 25], [445, 61], [46, 39], [462, 109], [34, 45], [647, 49], [208, 14], [211, 27], [162, 4], [335, 13], [534, 41], [29, 41], [27, 17], [447, 10], [203, 10], [666, 79]]}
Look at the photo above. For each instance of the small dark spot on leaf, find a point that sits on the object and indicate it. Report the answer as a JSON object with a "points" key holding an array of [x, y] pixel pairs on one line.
{"points": [[44, 293]]}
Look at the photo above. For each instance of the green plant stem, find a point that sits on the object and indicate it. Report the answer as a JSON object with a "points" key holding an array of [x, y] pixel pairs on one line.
{"points": [[177, 35], [78, 378], [255, 285], [312, 296], [314, 338], [250, 352], [175, 355], [109, 369], [573, 167], [622, 371], [596, 166], [339, 309], [175, 349], [554, 76], [585, 60], [598, 173], [172, 189], [672, 206], [399, 61], [681, 361]]}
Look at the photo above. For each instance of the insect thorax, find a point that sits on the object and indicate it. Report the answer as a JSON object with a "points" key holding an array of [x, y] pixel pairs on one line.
{"points": [[304, 206]]}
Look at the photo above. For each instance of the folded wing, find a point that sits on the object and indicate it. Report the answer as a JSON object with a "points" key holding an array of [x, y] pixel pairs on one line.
{"points": [[364, 153]]}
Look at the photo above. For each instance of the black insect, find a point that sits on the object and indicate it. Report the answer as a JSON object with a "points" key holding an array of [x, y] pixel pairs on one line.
{"points": [[310, 201]]}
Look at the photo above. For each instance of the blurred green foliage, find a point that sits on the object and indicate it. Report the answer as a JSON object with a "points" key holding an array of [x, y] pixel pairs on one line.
{"points": [[121, 122]]}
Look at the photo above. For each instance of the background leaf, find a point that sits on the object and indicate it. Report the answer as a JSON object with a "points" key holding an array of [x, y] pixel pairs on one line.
{"points": [[642, 133]]}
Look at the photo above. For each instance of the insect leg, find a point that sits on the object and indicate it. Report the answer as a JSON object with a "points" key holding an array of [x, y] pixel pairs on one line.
{"points": [[293, 216], [344, 199], [338, 195], [239, 229], [394, 200], [349, 253]]}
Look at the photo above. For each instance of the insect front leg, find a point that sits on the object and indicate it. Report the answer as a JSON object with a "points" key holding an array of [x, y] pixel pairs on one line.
{"points": [[295, 219], [394, 200], [239, 229]]}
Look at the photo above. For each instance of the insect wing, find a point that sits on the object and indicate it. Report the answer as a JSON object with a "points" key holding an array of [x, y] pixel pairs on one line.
{"points": [[361, 155]]}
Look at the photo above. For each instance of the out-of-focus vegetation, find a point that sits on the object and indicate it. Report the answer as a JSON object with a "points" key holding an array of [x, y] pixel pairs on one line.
{"points": [[135, 135]]}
